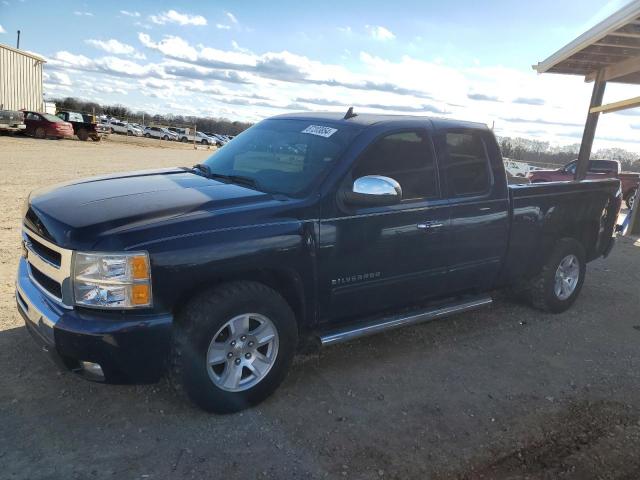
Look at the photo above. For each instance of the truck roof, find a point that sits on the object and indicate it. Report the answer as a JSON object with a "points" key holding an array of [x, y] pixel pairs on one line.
{"points": [[369, 119]]}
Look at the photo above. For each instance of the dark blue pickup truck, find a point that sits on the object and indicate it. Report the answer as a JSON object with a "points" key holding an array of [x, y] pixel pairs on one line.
{"points": [[305, 227]]}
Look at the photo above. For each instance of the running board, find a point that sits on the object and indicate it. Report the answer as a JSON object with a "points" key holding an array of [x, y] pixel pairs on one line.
{"points": [[363, 329]]}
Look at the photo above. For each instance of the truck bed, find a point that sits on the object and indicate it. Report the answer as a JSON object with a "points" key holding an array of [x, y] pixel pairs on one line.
{"points": [[543, 212]]}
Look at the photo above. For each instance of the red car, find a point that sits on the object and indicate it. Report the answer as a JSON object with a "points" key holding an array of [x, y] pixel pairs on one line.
{"points": [[43, 125], [597, 169]]}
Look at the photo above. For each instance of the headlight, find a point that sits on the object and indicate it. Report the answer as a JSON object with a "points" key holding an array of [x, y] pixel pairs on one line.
{"points": [[106, 280]]}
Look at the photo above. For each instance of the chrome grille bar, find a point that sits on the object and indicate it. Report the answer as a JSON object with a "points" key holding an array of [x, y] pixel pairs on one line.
{"points": [[60, 274]]}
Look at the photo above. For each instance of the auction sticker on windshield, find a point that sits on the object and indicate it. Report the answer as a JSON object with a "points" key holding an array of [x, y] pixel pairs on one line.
{"points": [[320, 131]]}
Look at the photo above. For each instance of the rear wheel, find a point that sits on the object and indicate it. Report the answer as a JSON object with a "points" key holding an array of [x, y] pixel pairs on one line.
{"points": [[184, 139], [559, 282], [233, 346], [83, 135], [40, 133], [147, 135]]}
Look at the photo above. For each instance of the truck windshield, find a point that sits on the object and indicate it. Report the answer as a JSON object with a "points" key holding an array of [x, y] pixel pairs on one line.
{"points": [[283, 156]]}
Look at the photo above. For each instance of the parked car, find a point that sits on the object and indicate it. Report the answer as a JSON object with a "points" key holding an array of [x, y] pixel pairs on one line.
{"points": [[597, 169], [217, 141], [123, 128], [178, 131], [12, 121], [83, 125], [43, 125], [199, 137], [213, 274], [160, 132]]}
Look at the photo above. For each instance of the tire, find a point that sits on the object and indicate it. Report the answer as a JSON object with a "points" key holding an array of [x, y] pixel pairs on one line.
{"points": [[83, 135], [40, 133], [146, 135], [202, 332], [204, 142], [165, 137], [541, 291], [631, 197], [184, 139]]}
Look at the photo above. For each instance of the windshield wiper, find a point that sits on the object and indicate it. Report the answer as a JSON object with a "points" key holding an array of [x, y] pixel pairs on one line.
{"points": [[240, 179]]}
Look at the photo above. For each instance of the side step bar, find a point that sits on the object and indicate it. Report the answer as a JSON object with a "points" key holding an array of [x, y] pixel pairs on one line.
{"points": [[363, 329]]}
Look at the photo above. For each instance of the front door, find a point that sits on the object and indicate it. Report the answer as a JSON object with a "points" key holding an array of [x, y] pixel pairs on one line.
{"points": [[376, 258]]}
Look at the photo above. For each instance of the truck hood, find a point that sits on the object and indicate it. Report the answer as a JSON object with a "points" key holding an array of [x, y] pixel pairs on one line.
{"points": [[80, 214]]}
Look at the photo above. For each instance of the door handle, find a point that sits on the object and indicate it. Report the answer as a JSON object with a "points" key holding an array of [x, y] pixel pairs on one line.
{"points": [[429, 225]]}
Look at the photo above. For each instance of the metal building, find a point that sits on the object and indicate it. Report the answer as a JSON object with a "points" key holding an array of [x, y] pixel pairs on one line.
{"points": [[20, 80]]}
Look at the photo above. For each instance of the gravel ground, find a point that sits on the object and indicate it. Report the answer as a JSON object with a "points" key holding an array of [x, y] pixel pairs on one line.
{"points": [[501, 393]]}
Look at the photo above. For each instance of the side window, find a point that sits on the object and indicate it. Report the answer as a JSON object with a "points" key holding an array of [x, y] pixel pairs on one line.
{"points": [[571, 168], [407, 158], [466, 164], [33, 116]]}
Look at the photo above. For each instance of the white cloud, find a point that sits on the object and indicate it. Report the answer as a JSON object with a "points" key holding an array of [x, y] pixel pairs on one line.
{"points": [[222, 26], [83, 14], [231, 17], [380, 33], [2, 30], [171, 46], [130, 14], [112, 46], [171, 16], [207, 80]]}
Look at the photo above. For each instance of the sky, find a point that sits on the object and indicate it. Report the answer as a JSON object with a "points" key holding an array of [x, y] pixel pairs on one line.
{"points": [[247, 60]]}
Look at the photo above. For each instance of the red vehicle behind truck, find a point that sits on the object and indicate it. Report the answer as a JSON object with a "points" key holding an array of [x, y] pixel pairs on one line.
{"points": [[598, 169]]}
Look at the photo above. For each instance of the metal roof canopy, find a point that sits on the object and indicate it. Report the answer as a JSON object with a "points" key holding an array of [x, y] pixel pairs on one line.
{"points": [[608, 52]]}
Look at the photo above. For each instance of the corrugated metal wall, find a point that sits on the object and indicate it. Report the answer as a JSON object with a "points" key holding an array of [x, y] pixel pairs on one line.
{"points": [[20, 80]]}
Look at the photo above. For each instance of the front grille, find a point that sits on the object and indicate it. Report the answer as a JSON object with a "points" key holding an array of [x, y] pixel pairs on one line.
{"points": [[49, 266], [45, 252], [47, 283]]}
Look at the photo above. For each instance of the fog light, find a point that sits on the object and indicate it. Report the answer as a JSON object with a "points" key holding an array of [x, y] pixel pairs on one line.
{"points": [[92, 369]]}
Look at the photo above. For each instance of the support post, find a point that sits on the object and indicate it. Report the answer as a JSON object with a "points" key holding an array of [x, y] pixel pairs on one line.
{"points": [[634, 224], [590, 127]]}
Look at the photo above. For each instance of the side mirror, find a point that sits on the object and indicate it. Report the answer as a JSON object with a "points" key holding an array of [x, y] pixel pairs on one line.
{"points": [[374, 190]]}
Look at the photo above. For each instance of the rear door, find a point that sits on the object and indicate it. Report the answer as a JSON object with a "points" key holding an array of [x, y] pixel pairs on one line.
{"points": [[475, 185], [376, 258]]}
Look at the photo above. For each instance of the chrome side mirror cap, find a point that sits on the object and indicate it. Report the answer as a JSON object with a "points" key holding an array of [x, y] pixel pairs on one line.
{"points": [[374, 190]]}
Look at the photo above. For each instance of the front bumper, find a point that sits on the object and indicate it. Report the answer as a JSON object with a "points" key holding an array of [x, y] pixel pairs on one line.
{"points": [[129, 347]]}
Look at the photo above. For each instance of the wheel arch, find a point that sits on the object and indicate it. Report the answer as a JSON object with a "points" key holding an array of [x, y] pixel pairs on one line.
{"points": [[287, 282]]}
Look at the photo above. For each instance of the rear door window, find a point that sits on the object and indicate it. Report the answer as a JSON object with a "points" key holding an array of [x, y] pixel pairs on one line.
{"points": [[466, 164]]}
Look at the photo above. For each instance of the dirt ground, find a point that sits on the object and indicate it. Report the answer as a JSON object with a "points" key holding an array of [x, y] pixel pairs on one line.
{"points": [[501, 393]]}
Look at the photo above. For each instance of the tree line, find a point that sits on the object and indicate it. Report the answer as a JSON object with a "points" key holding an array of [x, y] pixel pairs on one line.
{"points": [[540, 152], [205, 124]]}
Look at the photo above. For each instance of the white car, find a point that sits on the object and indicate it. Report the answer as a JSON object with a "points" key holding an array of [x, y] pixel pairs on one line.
{"points": [[160, 132], [199, 137], [124, 128]]}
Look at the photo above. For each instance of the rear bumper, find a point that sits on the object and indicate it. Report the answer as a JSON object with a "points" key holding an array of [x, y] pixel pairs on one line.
{"points": [[130, 348]]}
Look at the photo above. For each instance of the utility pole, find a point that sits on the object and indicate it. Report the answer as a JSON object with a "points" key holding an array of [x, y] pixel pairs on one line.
{"points": [[18, 42]]}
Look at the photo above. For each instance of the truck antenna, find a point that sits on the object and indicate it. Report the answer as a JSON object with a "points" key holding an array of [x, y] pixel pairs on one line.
{"points": [[349, 114]]}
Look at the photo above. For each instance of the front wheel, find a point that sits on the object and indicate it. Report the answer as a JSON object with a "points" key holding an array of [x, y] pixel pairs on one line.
{"points": [[165, 137], [559, 282], [146, 135], [233, 346]]}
